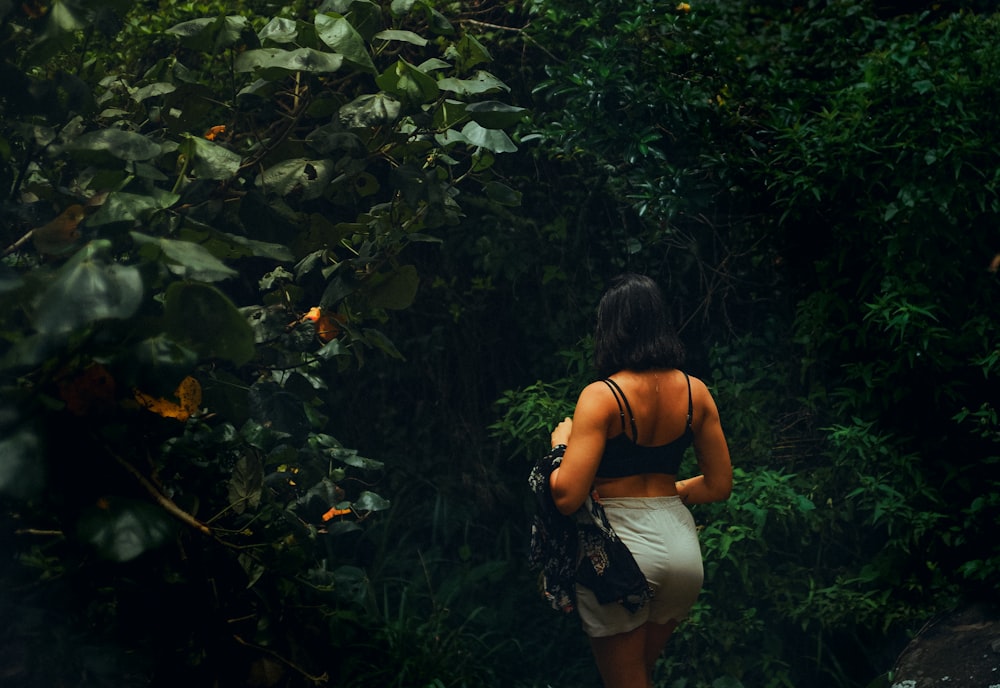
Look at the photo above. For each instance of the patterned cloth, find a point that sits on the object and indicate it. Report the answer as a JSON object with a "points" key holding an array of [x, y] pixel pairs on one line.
{"points": [[582, 548]]}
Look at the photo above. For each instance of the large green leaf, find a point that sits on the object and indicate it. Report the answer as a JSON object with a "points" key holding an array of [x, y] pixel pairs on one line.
{"points": [[308, 178], [87, 289], [120, 206], [338, 288], [325, 490], [402, 7], [208, 160], [492, 114], [159, 88], [246, 484], [403, 36], [449, 113], [479, 83], [212, 34], [370, 110], [350, 457], [369, 501], [66, 16], [469, 53], [365, 16], [395, 290], [202, 317], [121, 529], [124, 145], [338, 33], [184, 258], [495, 140], [439, 23], [281, 30], [279, 59], [408, 83]]}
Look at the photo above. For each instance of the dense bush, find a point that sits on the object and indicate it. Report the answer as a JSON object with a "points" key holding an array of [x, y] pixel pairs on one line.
{"points": [[199, 254]]}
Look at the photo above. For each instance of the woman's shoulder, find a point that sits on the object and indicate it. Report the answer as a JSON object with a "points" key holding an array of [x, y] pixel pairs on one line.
{"points": [[597, 396], [697, 384], [595, 390], [701, 396]]}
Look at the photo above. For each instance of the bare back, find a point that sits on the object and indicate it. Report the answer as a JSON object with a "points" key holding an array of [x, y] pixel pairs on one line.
{"points": [[659, 403]]}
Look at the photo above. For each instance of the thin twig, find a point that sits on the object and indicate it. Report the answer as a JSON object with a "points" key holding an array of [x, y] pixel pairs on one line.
{"points": [[19, 243], [513, 29], [162, 499]]}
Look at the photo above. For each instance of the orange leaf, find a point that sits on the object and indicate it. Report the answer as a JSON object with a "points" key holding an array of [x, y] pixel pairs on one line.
{"points": [[332, 513], [188, 395], [327, 326], [58, 235], [93, 390]]}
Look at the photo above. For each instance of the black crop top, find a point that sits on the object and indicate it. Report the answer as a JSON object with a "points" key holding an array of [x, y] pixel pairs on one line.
{"points": [[623, 457]]}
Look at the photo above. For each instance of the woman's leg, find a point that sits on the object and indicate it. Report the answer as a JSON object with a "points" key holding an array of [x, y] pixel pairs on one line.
{"points": [[657, 636], [626, 660]]}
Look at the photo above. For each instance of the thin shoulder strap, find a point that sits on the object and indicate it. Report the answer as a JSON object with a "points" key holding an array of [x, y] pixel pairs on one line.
{"points": [[690, 401], [616, 390]]}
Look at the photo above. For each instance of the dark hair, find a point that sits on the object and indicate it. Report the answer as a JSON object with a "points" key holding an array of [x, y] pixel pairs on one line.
{"points": [[634, 329]]}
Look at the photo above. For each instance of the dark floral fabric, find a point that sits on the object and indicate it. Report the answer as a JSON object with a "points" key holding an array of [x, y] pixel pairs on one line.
{"points": [[582, 548]]}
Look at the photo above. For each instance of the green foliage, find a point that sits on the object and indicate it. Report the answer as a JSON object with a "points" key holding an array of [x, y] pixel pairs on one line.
{"points": [[818, 170], [530, 412], [908, 331], [527, 415], [236, 219]]}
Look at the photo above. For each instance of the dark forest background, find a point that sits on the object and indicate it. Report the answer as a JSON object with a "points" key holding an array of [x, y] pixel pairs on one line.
{"points": [[307, 284]]}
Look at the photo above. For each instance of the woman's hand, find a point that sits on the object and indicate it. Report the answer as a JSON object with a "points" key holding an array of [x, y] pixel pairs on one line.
{"points": [[562, 432]]}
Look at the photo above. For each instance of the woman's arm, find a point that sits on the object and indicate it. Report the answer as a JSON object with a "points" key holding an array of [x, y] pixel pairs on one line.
{"points": [[716, 480], [584, 436]]}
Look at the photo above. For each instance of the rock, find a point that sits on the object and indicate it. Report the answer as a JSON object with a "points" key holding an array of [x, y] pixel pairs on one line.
{"points": [[960, 649]]}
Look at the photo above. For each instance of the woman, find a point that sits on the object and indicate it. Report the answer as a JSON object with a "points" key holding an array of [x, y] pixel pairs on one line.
{"points": [[625, 441]]}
